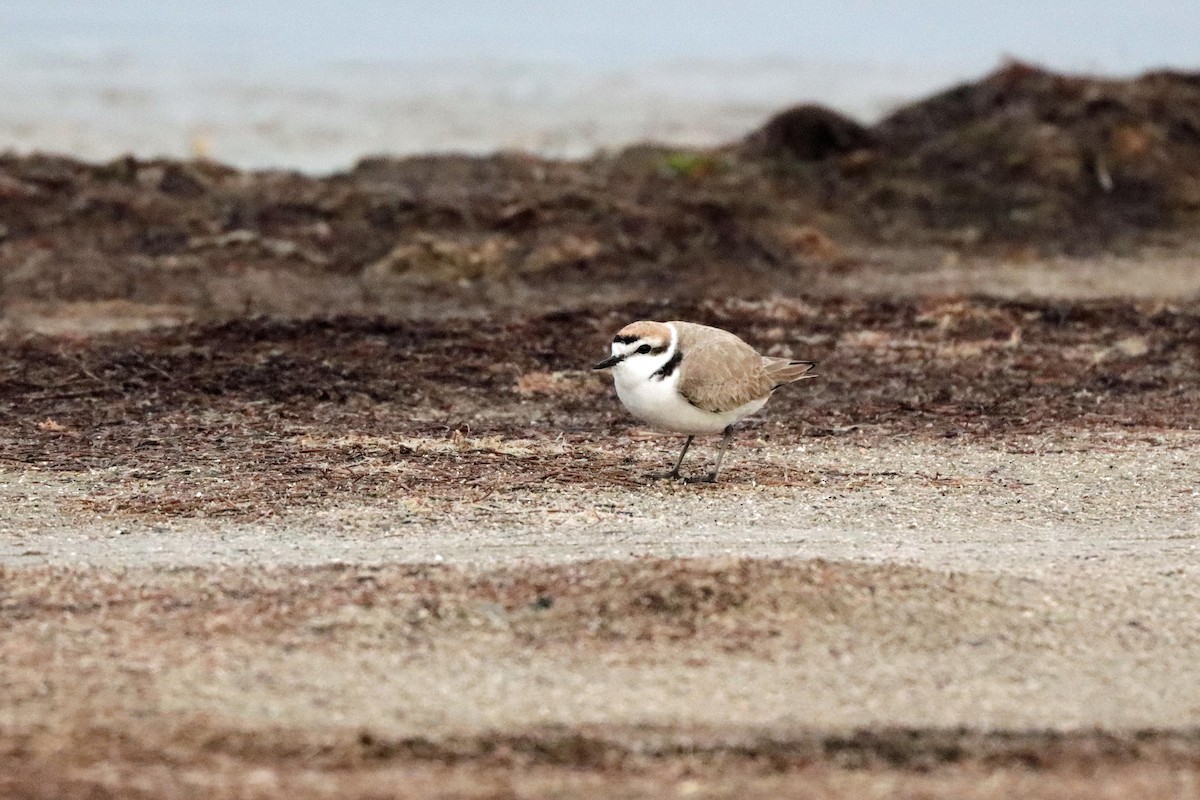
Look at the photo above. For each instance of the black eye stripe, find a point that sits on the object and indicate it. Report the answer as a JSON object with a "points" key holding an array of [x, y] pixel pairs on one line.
{"points": [[660, 349]]}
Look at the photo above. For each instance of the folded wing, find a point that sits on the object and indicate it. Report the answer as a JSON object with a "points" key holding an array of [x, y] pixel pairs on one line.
{"points": [[719, 371]]}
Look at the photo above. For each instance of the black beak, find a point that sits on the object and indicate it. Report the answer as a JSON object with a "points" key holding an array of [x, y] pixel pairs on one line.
{"points": [[611, 361]]}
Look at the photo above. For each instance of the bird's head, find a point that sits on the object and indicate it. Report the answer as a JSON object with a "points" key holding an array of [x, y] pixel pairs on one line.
{"points": [[638, 340]]}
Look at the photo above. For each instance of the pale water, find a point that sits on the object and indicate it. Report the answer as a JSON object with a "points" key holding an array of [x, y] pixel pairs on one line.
{"points": [[316, 84]]}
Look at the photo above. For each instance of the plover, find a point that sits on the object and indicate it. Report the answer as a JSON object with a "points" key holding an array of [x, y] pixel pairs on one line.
{"points": [[694, 379]]}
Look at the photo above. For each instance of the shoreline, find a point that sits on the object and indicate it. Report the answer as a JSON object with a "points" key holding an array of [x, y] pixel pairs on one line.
{"points": [[323, 119]]}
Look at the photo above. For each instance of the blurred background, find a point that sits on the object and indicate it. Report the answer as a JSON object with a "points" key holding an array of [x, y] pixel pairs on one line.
{"points": [[315, 85]]}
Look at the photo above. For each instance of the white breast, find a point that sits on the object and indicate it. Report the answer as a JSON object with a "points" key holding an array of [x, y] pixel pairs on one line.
{"points": [[659, 403]]}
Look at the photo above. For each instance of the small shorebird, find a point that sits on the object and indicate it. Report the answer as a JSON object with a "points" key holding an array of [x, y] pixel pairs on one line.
{"points": [[693, 379]]}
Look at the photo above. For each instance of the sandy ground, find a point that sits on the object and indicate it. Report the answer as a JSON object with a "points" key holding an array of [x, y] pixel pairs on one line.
{"points": [[1130, 500], [1081, 609], [268, 531], [887, 615]]}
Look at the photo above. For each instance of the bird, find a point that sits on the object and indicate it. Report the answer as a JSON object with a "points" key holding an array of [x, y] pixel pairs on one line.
{"points": [[695, 380]]}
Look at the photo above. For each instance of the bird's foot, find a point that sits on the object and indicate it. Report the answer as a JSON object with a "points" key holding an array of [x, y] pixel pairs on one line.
{"points": [[709, 478], [664, 476]]}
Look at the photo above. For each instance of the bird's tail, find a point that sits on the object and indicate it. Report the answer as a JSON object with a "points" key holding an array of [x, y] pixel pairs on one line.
{"points": [[785, 370]]}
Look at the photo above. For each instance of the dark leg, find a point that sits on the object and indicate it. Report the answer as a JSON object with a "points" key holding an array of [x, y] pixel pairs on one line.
{"points": [[712, 476], [675, 472]]}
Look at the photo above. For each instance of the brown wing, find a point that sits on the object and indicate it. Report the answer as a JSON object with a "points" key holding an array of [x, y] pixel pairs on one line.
{"points": [[719, 371]]}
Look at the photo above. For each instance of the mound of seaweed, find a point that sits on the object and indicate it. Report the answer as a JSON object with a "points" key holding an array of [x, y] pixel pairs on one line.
{"points": [[1026, 152], [1023, 158]]}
